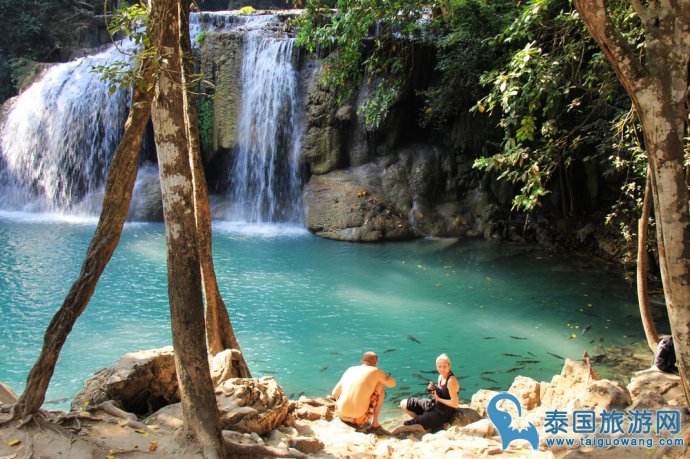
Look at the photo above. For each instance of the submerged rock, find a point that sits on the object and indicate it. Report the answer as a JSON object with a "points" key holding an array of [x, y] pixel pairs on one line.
{"points": [[341, 207]]}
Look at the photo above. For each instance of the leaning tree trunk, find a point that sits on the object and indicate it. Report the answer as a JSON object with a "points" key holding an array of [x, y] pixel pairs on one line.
{"points": [[200, 412], [659, 91], [642, 289], [219, 332], [118, 194]]}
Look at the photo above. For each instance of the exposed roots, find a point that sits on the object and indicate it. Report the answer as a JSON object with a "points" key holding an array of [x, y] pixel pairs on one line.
{"points": [[131, 419], [234, 449]]}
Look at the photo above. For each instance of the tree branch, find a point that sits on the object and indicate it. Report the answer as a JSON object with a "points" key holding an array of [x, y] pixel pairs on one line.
{"points": [[618, 51]]}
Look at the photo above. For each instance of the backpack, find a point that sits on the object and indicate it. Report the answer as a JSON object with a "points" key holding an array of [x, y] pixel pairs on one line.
{"points": [[665, 356]]}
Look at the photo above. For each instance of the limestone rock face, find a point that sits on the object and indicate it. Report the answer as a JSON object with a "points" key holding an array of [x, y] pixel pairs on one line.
{"points": [[141, 382], [480, 400], [527, 390], [326, 128], [221, 62], [340, 207], [651, 388], [575, 388], [251, 405], [312, 409]]}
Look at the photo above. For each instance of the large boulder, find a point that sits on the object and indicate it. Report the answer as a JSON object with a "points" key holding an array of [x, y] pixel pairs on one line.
{"points": [[251, 405], [579, 387], [653, 389], [141, 382], [225, 365], [7, 395], [527, 390], [341, 207]]}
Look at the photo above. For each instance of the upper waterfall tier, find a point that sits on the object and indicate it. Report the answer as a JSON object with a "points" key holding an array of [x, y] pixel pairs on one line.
{"points": [[58, 137]]}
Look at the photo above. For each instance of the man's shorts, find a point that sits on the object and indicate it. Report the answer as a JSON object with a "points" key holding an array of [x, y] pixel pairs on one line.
{"points": [[363, 419]]}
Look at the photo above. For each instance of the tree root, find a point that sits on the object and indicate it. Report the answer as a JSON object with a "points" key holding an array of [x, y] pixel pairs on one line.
{"points": [[131, 419], [233, 449]]}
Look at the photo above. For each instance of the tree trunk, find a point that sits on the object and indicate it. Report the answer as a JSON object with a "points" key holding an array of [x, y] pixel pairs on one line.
{"points": [[220, 334], [642, 289], [117, 196], [659, 91], [200, 412]]}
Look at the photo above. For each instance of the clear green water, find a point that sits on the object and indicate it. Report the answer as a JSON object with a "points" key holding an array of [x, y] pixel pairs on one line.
{"points": [[305, 308]]}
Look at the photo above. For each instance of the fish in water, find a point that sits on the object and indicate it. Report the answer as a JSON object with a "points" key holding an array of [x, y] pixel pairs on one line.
{"points": [[493, 388], [513, 370], [555, 355], [429, 372], [531, 354], [56, 401], [336, 353], [489, 337], [413, 339], [388, 350], [517, 337], [323, 369], [488, 372], [419, 376], [601, 339], [586, 329], [512, 355], [527, 361], [403, 388], [485, 378]]}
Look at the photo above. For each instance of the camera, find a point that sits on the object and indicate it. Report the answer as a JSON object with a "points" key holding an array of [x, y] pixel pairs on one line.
{"points": [[432, 389]]}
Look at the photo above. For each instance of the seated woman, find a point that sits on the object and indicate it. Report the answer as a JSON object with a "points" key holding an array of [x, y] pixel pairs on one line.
{"points": [[430, 414]]}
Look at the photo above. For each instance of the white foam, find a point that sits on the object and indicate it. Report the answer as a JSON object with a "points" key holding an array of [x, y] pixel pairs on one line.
{"points": [[259, 230], [48, 217]]}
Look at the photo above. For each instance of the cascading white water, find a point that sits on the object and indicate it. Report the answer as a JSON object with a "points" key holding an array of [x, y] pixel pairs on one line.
{"points": [[58, 138], [264, 179]]}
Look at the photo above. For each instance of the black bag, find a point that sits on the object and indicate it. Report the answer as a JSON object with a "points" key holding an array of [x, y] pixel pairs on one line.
{"points": [[665, 356]]}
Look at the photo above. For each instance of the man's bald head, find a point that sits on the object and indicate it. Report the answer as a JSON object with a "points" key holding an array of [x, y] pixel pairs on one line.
{"points": [[370, 358]]}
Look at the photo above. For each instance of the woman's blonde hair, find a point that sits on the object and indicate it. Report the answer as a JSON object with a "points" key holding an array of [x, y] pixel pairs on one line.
{"points": [[443, 357]]}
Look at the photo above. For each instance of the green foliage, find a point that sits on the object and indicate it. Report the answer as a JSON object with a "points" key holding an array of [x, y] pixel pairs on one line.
{"points": [[464, 54], [247, 10], [556, 97], [131, 22], [32, 31], [199, 39], [374, 40], [205, 114]]}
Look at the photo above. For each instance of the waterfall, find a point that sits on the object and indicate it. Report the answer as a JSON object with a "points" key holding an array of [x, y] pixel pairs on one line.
{"points": [[264, 178], [58, 138]]}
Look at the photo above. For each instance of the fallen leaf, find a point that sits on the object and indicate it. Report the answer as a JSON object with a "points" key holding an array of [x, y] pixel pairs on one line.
{"points": [[14, 442], [143, 432], [154, 427], [153, 446]]}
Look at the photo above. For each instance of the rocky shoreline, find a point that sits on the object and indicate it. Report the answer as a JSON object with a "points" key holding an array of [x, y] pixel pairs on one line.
{"points": [[256, 413]]}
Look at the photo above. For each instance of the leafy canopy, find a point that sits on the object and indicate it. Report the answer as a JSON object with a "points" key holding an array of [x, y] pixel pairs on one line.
{"points": [[372, 40]]}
